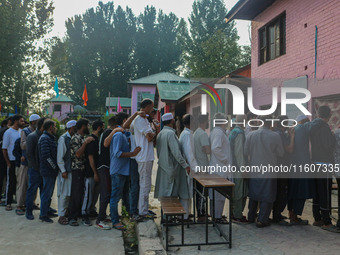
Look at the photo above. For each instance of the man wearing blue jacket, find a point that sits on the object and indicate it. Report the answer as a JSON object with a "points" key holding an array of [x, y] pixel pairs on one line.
{"points": [[47, 148]]}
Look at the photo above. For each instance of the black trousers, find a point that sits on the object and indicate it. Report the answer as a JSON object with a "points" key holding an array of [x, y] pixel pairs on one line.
{"points": [[105, 192], [77, 194], [200, 203], [11, 183], [281, 198], [322, 200], [3, 171]]}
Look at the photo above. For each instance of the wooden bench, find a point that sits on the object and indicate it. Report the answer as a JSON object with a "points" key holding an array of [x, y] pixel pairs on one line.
{"points": [[171, 206]]}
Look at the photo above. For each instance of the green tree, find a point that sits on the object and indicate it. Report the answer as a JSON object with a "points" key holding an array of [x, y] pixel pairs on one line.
{"points": [[157, 47], [210, 47], [22, 24]]}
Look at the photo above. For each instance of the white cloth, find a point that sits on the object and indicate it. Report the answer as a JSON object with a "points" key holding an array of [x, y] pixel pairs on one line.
{"points": [[10, 136], [144, 170], [186, 203], [34, 117], [187, 145], [141, 129], [61, 153], [63, 193], [221, 156], [220, 151]]}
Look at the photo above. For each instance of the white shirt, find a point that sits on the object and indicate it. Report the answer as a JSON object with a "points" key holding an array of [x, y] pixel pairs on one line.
{"points": [[10, 136], [220, 150], [61, 152], [187, 145], [141, 127]]}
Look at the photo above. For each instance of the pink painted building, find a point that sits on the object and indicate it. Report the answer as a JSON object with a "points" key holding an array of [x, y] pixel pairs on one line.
{"points": [[146, 87], [60, 106], [294, 43]]}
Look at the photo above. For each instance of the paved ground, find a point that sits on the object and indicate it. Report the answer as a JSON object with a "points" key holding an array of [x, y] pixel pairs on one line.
{"points": [[248, 239], [21, 236]]}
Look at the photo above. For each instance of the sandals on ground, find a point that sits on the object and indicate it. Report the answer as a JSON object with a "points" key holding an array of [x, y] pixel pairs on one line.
{"points": [[221, 221], [63, 220], [20, 212], [73, 223], [118, 226], [9, 208]]}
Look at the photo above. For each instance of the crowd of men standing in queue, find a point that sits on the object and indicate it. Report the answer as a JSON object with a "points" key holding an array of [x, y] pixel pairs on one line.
{"points": [[116, 164]]}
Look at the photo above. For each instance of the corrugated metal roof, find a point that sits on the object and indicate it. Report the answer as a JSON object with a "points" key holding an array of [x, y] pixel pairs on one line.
{"points": [[247, 9], [148, 95], [173, 91], [124, 101], [61, 98], [154, 78]]}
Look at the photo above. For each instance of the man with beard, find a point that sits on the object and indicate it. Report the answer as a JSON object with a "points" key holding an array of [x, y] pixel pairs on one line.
{"points": [[47, 148], [144, 138], [91, 172], [171, 180], [78, 147], [65, 175], [10, 137]]}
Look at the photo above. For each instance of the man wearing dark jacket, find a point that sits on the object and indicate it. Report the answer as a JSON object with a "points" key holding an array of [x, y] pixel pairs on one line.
{"points": [[323, 143], [47, 148], [34, 178]]}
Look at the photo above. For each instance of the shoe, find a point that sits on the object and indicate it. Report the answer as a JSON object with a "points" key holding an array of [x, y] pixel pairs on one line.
{"points": [[262, 225], [52, 215], [331, 228], [73, 223], [29, 216], [299, 221], [20, 212], [9, 208], [35, 207], [93, 214], [136, 218], [51, 210], [318, 223], [87, 222], [151, 212], [103, 225], [242, 220], [63, 220], [45, 219]]}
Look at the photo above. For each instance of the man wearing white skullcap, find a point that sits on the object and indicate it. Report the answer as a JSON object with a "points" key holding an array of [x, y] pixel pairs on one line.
{"points": [[302, 118], [22, 175], [64, 179], [171, 178]]}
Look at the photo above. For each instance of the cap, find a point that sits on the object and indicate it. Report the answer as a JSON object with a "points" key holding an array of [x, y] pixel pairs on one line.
{"points": [[167, 116], [71, 123], [301, 117], [34, 117]]}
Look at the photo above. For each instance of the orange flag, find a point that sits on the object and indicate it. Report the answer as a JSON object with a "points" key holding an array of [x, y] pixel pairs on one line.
{"points": [[85, 98]]}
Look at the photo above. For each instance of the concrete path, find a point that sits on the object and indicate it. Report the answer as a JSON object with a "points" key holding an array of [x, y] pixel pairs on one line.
{"points": [[19, 236]]}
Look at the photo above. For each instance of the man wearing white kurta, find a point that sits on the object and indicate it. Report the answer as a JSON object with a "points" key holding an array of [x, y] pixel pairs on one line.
{"points": [[64, 179], [220, 156], [144, 138], [187, 146]]}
